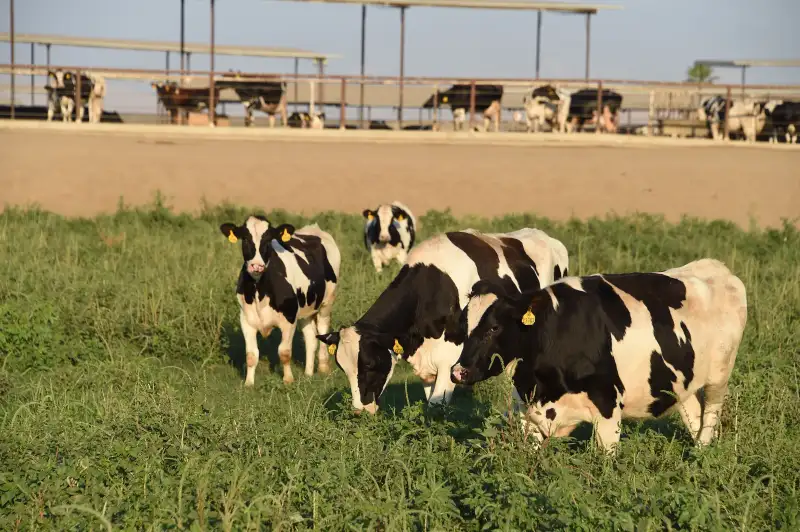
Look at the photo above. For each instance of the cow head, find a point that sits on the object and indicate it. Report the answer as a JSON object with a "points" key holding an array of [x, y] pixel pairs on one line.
{"points": [[367, 358], [494, 322], [383, 224], [257, 236]]}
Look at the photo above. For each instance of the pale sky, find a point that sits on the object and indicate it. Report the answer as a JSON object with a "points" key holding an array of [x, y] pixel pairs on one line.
{"points": [[647, 40]]}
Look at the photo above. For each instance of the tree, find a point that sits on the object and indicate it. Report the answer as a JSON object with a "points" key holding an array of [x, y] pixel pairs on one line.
{"points": [[699, 73]]}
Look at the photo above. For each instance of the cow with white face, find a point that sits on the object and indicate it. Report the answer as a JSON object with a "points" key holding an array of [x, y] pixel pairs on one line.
{"points": [[606, 347], [547, 105], [287, 277], [389, 233], [417, 317]]}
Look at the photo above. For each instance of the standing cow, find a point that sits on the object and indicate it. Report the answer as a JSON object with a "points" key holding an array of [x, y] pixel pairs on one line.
{"points": [[62, 95], [606, 347], [269, 97], [417, 317], [583, 109], [547, 105], [389, 233], [783, 120], [287, 276], [458, 97]]}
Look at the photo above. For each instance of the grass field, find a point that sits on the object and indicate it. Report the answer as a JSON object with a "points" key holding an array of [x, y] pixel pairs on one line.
{"points": [[122, 402]]}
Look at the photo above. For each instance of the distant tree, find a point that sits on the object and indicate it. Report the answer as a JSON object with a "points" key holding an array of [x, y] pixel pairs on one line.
{"points": [[699, 73]]}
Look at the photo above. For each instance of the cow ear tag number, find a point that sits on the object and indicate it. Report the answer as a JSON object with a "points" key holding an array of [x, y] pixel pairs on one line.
{"points": [[528, 318], [232, 238], [398, 349], [285, 236], [332, 349]]}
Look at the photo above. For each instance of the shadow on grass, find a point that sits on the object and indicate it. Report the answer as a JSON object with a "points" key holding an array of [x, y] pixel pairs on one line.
{"points": [[669, 427], [233, 342]]}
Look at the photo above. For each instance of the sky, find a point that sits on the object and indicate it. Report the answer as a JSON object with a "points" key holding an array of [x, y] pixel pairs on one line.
{"points": [[647, 40]]}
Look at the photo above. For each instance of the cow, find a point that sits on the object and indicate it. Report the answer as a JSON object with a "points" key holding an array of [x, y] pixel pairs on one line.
{"points": [[416, 318], [549, 105], [287, 277], [712, 111], [306, 120], [783, 120], [605, 347], [269, 97], [389, 233], [176, 99], [747, 116], [583, 109], [458, 97], [62, 94]]}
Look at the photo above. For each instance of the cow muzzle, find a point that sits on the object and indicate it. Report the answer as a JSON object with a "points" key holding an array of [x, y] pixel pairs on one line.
{"points": [[459, 374], [383, 238], [255, 268]]}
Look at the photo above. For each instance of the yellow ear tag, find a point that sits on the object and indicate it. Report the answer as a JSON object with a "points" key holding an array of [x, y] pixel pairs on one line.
{"points": [[444, 100], [370, 217], [400, 217], [232, 238], [398, 349], [332, 349], [528, 318], [285, 236]]}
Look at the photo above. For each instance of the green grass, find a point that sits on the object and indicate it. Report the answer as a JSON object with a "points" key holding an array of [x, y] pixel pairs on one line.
{"points": [[120, 406]]}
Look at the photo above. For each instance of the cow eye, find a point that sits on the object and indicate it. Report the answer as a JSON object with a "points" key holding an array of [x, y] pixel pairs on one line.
{"points": [[494, 328]]}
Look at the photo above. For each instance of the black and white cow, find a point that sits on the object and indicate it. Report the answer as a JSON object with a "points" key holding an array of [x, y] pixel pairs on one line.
{"points": [[269, 97], [287, 276], [783, 120], [746, 116], [583, 109], [606, 347], [417, 317], [307, 120], [458, 97], [62, 93], [389, 233], [547, 105]]}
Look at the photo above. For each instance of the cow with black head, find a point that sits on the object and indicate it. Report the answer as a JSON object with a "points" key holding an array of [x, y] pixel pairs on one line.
{"points": [[389, 233], [287, 277]]}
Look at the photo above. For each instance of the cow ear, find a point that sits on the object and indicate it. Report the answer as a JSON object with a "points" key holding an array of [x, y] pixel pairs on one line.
{"points": [[368, 214], [232, 231], [283, 233], [528, 308]]}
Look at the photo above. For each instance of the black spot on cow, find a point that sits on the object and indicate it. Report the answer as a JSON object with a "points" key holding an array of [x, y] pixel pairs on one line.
{"points": [[315, 266], [660, 293], [557, 273], [478, 251], [661, 380], [520, 264], [550, 414], [619, 317]]}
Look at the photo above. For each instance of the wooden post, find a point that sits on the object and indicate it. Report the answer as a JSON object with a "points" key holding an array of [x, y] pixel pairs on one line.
{"points": [[472, 90]]}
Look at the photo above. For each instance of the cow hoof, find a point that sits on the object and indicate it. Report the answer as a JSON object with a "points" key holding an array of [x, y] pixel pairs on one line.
{"points": [[249, 384], [324, 368], [288, 379]]}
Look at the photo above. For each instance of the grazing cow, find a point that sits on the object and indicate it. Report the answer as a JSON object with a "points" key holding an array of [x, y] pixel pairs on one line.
{"points": [[487, 101], [548, 105], [583, 109], [62, 94], [389, 233], [606, 347], [306, 120], [176, 99], [417, 317], [269, 97], [784, 120], [287, 276]]}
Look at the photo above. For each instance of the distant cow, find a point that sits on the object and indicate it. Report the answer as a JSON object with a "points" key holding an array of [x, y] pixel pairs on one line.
{"points": [[747, 116], [487, 101], [606, 347], [287, 276], [583, 109], [416, 318], [176, 99], [547, 105], [62, 94], [306, 120], [269, 97], [783, 121], [389, 233]]}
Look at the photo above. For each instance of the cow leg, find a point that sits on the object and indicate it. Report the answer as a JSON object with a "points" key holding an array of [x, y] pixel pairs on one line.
{"points": [[377, 260], [285, 349], [250, 334], [714, 130], [607, 431], [715, 397], [80, 113], [271, 121], [692, 416], [67, 106], [51, 109], [444, 355], [323, 327], [310, 338], [401, 256], [248, 115]]}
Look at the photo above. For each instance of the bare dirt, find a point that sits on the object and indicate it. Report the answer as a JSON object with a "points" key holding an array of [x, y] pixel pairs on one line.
{"points": [[86, 174]]}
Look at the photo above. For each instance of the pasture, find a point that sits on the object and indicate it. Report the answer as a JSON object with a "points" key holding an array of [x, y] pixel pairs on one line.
{"points": [[122, 400]]}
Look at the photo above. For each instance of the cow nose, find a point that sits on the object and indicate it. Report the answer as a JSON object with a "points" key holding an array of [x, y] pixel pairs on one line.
{"points": [[384, 238], [255, 267], [458, 374]]}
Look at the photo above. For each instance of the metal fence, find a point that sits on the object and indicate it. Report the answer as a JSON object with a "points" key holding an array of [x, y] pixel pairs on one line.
{"points": [[648, 107]]}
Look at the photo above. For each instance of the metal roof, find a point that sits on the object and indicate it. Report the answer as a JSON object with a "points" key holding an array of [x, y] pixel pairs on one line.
{"points": [[165, 46], [562, 7], [739, 63]]}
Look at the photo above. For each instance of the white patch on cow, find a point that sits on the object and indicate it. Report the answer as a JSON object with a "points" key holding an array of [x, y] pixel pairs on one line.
{"points": [[257, 228], [572, 282], [347, 358], [553, 297], [385, 218], [476, 308]]}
